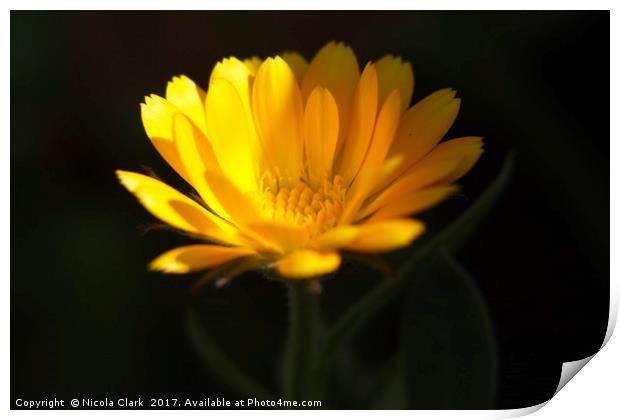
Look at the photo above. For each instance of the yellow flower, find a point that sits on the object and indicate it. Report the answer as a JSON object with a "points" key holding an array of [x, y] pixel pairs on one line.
{"points": [[293, 162]]}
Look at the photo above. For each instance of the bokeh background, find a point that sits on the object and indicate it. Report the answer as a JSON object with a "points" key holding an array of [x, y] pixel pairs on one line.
{"points": [[88, 320]]}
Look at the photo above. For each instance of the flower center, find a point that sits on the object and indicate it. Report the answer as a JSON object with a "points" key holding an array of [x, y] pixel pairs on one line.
{"points": [[317, 208]]}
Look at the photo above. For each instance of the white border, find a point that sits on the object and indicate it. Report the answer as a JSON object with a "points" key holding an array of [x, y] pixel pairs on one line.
{"points": [[593, 394], [312, 5]]}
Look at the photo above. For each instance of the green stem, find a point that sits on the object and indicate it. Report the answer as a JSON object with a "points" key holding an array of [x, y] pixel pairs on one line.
{"points": [[302, 341]]}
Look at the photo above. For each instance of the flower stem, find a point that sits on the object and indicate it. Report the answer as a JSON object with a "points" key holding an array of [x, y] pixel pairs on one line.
{"points": [[302, 341]]}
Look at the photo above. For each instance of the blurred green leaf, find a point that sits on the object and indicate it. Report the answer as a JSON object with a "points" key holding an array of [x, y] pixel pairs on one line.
{"points": [[458, 233], [451, 238], [450, 356], [389, 391], [218, 361]]}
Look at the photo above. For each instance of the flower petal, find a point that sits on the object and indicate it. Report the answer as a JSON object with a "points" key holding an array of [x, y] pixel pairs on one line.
{"points": [[197, 156], [363, 116], [424, 124], [252, 64], [240, 75], [188, 97], [196, 257], [414, 202], [445, 164], [387, 122], [468, 149], [414, 179], [395, 74], [385, 236], [236, 73], [177, 210], [421, 128], [307, 264], [296, 62], [283, 237], [235, 203], [320, 130], [278, 114], [335, 68], [157, 116], [337, 237], [241, 209], [232, 135]]}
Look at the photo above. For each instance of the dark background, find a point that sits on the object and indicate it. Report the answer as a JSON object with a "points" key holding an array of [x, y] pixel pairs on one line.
{"points": [[88, 320]]}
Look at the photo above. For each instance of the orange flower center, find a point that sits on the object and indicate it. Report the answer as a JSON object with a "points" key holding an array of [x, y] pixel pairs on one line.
{"points": [[317, 208]]}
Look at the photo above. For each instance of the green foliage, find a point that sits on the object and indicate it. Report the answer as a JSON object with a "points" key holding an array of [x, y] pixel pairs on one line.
{"points": [[450, 357]]}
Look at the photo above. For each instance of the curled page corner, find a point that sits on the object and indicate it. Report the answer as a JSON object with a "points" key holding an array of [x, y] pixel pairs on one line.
{"points": [[569, 370], [517, 412]]}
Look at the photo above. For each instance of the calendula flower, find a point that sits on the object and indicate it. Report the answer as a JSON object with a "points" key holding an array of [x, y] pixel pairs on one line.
{"points": [[293, 162]]}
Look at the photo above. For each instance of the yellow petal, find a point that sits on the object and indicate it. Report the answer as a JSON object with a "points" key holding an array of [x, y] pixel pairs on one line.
{"points": [[445, 164], [253, 64], [418, 177], [232, 135], [391, 166], [421, 128], [197, 156], [413, 203], [467, 149], [196, 258], [387, 122], [241, 78], [241, 210], [363, 115], [235, 203], [338, 237], [278, 113], [395, 74], [307, 264], [189, 98], [386, 235], [320, 130], [157, 116], [238, 74], [175, 209], [283, 237], [296, 62], [424, 124], [335, 68]]}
